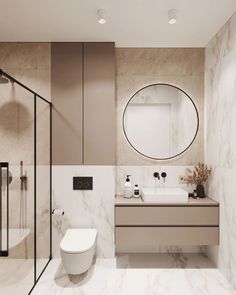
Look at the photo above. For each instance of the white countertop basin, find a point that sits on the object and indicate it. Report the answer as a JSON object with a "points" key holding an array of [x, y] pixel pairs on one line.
{"points": [[164, 195]]}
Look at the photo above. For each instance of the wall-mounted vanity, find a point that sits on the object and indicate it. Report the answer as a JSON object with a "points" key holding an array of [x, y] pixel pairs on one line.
{"points": [[142, 226]]}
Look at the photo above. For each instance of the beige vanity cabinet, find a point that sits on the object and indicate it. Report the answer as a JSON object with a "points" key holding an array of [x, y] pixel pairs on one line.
{"points": [[83, 97], [143, 227]]}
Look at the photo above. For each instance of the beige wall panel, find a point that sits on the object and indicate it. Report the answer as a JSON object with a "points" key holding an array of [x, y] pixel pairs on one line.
{"points": [[99, 103], [67, 101]]}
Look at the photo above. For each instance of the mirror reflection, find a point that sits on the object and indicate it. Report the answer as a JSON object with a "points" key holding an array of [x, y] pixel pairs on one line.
{"points": [[160, 121]]}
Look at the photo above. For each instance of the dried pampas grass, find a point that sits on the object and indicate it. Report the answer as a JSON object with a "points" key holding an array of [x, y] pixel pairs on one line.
{"points": [[199, 175]]}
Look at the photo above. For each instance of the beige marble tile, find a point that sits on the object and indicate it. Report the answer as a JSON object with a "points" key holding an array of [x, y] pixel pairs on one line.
{"points": [[30, 63]]}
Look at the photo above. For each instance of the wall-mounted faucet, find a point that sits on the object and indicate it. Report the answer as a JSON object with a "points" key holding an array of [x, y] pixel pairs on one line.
{"points": [[156, 175], [164, 175]]}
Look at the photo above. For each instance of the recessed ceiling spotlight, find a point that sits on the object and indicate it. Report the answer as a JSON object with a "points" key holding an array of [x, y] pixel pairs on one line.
{"points": [[172, 16], [101, 16]]}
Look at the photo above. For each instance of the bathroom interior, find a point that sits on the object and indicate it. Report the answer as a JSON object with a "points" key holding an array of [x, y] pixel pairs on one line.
{"points": [[117, 148]]}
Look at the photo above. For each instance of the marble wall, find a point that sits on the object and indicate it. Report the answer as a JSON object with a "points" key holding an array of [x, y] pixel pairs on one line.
{"points": [[138, 67], [85, 208], [220, 144], [96, 208], [143, 176]]}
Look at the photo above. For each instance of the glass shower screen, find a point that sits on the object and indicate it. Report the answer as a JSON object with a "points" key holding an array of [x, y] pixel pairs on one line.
{"points": [[25, 186]]}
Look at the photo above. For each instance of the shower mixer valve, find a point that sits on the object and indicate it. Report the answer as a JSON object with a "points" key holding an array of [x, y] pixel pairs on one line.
{"points": [[23, 177]]}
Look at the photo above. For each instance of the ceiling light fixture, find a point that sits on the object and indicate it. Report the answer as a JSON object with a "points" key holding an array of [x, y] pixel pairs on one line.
{"points": [[172, 16], [101, 16]]}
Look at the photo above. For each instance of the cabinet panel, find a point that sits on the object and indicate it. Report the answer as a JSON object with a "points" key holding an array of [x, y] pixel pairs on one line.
{"points": [[99, 103], [67, 90], [166, 215], [147, 239]]}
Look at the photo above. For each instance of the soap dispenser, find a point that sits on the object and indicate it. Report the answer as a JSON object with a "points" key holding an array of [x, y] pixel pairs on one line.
{"points": [[136, 191], [128, 191]]}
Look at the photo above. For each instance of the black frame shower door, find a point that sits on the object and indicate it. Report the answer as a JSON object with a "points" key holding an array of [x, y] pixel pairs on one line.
{"points": [[42, 178]]}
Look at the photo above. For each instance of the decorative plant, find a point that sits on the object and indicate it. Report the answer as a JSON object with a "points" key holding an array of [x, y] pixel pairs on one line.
{"points": [[198, 176]]}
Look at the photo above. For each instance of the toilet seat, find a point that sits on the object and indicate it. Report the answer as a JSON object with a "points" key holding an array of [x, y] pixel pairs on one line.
{"points": [[78, 240]]}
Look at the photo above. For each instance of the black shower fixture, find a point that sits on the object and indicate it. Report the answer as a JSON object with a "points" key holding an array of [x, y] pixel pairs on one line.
{"points": [[3, 78]]}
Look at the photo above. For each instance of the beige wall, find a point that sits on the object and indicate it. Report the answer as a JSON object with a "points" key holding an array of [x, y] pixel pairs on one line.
{"points": [[30, 63], [135, 68], [138, 67]]}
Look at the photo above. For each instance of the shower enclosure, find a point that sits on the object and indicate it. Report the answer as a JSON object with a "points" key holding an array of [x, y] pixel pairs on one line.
{"points": [[25, 186]]}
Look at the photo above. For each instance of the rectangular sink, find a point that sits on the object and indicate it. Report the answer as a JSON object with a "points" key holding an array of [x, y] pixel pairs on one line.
{"points": [[164, 195]]}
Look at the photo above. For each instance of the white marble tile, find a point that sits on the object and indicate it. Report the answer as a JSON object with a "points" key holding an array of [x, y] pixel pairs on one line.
{"points": [[168, 260], [17, 275], [220, 96], [93, 208], [105, 279], [143, 176]]}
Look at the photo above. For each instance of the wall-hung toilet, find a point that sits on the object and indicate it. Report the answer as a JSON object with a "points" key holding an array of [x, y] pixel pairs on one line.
{"points": [[77, 249]]}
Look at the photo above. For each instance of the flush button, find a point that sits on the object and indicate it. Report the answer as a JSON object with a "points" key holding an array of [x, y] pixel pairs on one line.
{"points": [[82, 183], [86, 184]]}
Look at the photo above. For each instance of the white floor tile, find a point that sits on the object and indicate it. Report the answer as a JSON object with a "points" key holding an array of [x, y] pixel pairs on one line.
{"points": [[105, 278]]}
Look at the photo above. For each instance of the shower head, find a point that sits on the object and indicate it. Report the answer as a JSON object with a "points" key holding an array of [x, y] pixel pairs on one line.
{"points": [[3, 80]]}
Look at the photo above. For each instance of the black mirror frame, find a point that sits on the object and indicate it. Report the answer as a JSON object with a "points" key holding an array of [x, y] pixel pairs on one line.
{"points": [[167, 158]]}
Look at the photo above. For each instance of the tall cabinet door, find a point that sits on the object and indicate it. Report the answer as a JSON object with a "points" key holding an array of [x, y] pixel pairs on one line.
{"points": [[67, 99], [99, 103]]}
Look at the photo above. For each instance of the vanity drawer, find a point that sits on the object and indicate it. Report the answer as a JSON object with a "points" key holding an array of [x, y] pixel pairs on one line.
{"points": [[169, 215], [148, 239]]}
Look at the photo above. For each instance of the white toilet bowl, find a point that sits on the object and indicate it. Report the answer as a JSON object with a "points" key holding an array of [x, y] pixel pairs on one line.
{"points": [[77, 249]]}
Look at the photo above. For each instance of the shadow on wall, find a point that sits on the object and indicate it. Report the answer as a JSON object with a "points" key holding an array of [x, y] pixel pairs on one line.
{"points": [[14, 116]]}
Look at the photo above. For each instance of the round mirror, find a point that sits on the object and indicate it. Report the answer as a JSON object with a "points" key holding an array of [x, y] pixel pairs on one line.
{"points": [[160, 121]]}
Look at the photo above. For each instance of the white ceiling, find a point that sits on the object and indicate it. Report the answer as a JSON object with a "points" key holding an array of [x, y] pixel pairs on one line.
{"points": [[130, 23]]}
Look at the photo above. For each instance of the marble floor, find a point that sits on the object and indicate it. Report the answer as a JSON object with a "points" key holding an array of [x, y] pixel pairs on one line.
{"points": [[160, 274], [17, 275]]}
